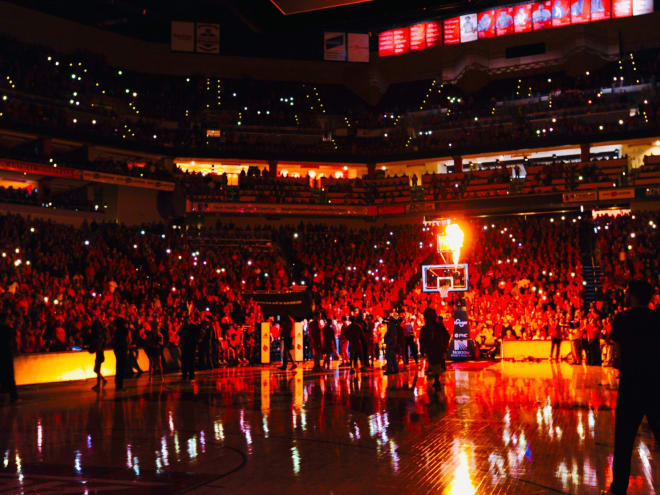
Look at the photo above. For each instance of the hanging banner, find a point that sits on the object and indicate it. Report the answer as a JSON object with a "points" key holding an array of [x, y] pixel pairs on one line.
{"points": [[468, 28], [433, 34], [486, 24], [561, 14], [358, 47], [600, 10], [452, 31], [182, 36], [504, 23], [625, 193], [208, 38], [522, 18], [542, 15], [334, 47]]}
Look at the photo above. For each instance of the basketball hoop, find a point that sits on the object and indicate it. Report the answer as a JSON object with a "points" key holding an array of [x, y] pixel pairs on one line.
{"points": [[444, 292]]}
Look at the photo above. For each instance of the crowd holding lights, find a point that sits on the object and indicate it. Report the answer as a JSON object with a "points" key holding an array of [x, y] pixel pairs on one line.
{"points": [[443, 121]]}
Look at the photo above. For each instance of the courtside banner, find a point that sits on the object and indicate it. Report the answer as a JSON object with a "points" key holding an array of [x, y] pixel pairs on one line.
{"points": [[626, 193], [297, 303], [39, 169], [579, 196], [123, 180], [277, 209]]}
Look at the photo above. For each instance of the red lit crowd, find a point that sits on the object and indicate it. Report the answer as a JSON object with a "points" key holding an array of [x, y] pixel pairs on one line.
{"points": [[526, 279]]}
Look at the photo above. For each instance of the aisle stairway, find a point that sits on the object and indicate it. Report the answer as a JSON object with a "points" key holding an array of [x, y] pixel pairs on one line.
{"points": [[593, 276]]}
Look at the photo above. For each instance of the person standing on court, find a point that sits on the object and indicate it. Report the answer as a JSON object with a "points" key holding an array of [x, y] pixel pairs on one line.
{"points": [[286, 334], [316, 340], [7, 344], [189, 337], [554, 331], [391, 345], [120, 348], [636, 338], [99, 336], [354, 336], [328, 343], [434, 340]]}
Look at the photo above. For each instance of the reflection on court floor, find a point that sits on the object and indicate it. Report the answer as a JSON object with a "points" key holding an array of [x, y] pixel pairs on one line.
{"points": [[523, 428]]}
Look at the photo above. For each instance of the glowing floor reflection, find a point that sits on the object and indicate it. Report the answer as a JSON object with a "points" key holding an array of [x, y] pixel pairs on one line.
{"points": [[505, 428]]}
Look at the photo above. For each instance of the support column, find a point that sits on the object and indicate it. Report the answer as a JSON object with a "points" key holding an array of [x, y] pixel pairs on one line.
{"points": [[458, 164], [585, 152], [272, 168], [371, 170], [45, 147]]}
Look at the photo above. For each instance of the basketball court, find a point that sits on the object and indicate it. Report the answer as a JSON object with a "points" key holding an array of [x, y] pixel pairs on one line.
{"points": [[496, 428]]}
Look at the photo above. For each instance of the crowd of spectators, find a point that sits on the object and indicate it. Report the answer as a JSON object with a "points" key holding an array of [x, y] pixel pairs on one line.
{"points": [[61, 284]]}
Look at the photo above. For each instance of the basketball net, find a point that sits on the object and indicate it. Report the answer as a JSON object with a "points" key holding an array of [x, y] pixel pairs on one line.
{"points": [[444, 291]]}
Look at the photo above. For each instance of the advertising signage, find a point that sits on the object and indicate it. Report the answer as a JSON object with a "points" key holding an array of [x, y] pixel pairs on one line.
{"points": [[503, 21]]}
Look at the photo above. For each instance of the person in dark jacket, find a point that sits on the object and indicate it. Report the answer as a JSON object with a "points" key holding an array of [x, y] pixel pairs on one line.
{"points": [[190, 336], [286, 334], [434, 339], [636, 338], [7, 344], [392, 345], [316, 340], [120, 347], [328, 343], [98, 343], [354, 336]]}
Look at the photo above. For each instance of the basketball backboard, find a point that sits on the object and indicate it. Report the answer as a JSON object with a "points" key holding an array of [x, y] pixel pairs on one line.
{"points": [[452, 277]]}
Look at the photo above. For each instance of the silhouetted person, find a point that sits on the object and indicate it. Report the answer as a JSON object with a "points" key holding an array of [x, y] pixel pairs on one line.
{"points": [[7, 343], [286, 334], [120, 347], [189, 338], [328, 343], [316, 341], [636, 337], [391, 345], [434, 339], [99, 337], [354, 336]]}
